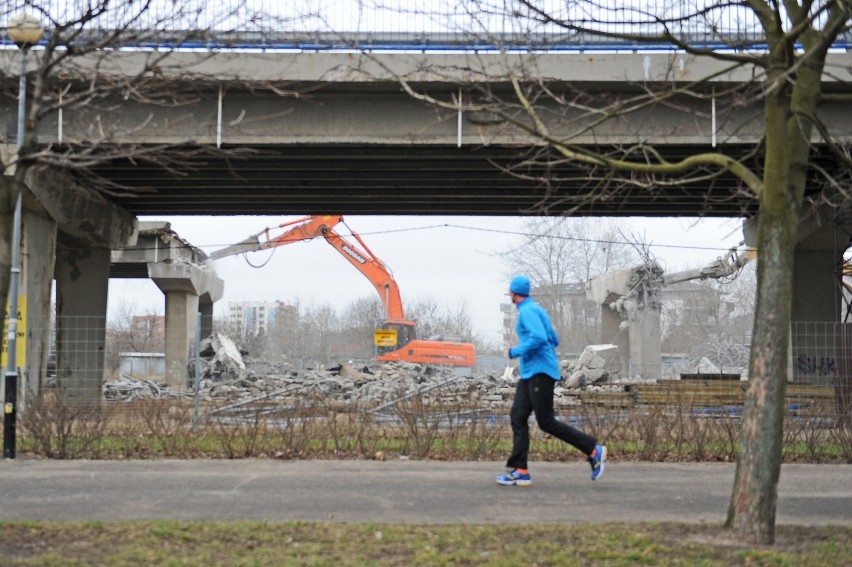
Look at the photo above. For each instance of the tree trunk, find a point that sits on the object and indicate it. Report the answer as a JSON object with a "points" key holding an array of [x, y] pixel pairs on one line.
{"points": [[751, 512]]}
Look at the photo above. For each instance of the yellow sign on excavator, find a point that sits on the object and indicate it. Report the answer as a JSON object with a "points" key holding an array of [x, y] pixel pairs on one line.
{"points": [[385, 337]]}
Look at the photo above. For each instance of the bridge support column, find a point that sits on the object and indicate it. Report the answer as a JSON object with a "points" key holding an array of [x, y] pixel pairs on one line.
{"points": [[181, 309], [205, 307], [816, 293], [82, 282], [630, 321], [815, 353], [820, 349], [184, 284], [611, 332], [86, 228], [39, 254]]}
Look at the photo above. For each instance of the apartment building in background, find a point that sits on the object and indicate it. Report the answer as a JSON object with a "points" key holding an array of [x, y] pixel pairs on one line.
{"points": [[253, 318]]}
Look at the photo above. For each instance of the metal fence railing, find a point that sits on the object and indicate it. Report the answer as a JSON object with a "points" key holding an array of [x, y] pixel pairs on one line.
{"points": [[105, 402], [414, 24], [82, 355]]}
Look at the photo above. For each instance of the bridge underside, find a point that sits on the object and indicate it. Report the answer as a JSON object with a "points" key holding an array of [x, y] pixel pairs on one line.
{"points": [[423, 180]]}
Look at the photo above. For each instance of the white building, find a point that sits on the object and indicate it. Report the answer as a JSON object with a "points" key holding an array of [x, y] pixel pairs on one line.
{"points": [[247, 318]]}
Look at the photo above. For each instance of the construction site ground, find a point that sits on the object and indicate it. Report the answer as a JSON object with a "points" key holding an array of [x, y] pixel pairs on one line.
{"points": [[403, 492]]}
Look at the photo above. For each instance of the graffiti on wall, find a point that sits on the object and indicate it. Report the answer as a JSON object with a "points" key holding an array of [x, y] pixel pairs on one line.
{"points": [[810, 365]]}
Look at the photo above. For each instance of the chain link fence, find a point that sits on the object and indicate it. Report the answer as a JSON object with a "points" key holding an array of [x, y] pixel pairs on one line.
{"points": [[99, 400]]}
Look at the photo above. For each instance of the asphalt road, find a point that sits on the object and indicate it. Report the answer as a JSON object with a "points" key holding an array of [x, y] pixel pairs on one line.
{"points": [[398, 491]]}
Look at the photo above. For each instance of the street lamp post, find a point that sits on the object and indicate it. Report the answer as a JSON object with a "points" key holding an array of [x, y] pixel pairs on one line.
{"points": [[25, 31]]}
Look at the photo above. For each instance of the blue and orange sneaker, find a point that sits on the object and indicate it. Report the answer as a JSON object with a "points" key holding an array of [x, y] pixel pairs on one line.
{"points": [[515, 478], [597, 460]]}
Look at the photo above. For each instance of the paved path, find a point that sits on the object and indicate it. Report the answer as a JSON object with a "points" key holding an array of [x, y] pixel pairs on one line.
{"points": [[422, 492]]}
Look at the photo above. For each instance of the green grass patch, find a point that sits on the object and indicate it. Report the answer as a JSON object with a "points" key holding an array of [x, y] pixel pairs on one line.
{"points": [[305, 543]]}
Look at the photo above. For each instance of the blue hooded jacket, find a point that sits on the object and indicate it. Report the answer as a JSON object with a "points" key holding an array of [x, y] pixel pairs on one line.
{"points": [[537, 341]]}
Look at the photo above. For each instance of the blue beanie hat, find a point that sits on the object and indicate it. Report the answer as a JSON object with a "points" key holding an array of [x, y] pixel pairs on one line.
{"points": [[520, 284]]}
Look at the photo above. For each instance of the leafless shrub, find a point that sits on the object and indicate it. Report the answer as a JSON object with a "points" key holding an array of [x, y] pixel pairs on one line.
{"points": [[420, 422], [480, 433], [814, 436], [369, 436], [601, 421], [337, 424], [690, 429], [841, 434], [466, 430], [168, 422], [647, 425], [698, 435], [805, 437], [64, 428], [727, 429], [676, 427], [293, 427], [242, 431]]}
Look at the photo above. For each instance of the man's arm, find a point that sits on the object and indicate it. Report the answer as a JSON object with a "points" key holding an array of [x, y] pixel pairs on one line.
{"points": [[534, 335]]}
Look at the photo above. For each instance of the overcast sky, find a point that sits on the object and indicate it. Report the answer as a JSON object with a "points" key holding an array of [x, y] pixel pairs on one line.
{"points": [[451, 259]]}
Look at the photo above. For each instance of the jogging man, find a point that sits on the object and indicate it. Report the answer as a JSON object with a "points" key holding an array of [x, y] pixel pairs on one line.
{"points": [[539, 370]]}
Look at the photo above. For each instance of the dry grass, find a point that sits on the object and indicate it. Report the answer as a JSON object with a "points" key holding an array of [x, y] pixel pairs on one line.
{"points": [[301, 543]]}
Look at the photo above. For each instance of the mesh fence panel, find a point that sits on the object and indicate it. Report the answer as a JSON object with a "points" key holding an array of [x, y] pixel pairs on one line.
{"points": [[101, 400]]}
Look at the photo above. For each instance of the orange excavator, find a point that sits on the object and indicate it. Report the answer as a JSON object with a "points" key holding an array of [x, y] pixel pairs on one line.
{"points": [[396, 338]]}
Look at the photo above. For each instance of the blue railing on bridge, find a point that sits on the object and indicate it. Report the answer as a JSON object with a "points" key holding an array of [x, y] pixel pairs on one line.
{"points": [[413, 25]]}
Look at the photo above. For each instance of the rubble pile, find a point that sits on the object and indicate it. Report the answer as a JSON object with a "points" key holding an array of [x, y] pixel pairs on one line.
{"points": [[129, 388], [226, 377]]}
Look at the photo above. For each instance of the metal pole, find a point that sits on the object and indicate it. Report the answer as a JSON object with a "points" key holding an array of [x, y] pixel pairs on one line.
{"points": [[197, 384], [10, 412]]}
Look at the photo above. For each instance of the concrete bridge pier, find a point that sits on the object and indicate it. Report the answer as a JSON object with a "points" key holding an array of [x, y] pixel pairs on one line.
{"points": [[205, 307], [630, 319], [82, 282], [188, 290], [39, 240], [68, 232], [820, 352]]}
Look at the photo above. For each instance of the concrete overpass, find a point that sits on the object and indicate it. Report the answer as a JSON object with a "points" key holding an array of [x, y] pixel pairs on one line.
{"points": [[267, 133], [310, 133]]}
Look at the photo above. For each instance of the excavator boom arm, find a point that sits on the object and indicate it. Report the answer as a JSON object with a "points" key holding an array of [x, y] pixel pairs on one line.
{"points": [[310, 227]]}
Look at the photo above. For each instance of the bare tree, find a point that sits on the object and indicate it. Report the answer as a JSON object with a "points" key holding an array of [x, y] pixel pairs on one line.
{"points": [[456, 323], [320, 325], [92, 55], [285, 340], [560, 254], [711, 319], [359, 321], [785, 52], [445, 322], [427, 312]]}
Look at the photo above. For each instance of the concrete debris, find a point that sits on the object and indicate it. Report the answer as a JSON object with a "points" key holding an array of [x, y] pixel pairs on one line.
{"points": [[378, 387], [596, 364], [227, 378], [220, 351], [128, 388]]}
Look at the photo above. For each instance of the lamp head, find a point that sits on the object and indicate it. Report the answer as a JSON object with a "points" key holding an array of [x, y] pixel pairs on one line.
{"points": [[25, 30]]}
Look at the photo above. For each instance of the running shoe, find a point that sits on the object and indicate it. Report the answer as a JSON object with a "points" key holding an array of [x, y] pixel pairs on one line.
{"points": [[598, 461], [514, 478]]}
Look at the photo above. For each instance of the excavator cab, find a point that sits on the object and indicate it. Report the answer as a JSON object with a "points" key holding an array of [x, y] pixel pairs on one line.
{"points": [[396, 341], [393, 335]]}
